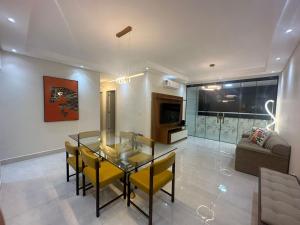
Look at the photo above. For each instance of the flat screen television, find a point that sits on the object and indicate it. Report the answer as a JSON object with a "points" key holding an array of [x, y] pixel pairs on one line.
{"points": [[169, 113]]}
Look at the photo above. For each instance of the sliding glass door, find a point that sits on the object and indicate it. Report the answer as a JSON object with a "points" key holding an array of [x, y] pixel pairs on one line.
{"points": [[224, 111], [191, 108]]}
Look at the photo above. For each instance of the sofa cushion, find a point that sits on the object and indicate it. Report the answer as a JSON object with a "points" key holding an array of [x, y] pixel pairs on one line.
{"points": [[251, 132], [260, 136], [277, 145], [280, 198], [245, 143]]}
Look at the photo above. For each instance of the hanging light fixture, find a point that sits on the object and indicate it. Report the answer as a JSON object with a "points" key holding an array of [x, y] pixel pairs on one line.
{"points": [[125, 78]]}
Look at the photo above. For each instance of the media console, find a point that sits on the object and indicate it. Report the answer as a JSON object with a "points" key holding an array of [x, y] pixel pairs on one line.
{"points": [[166, 117], [177, 134]]}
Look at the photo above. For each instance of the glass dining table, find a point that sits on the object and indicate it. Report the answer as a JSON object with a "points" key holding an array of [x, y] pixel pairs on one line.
{"points": [[128, 155]]}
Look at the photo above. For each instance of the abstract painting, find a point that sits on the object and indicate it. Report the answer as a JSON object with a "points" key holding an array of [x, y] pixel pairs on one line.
{"points": [[60, 99]]}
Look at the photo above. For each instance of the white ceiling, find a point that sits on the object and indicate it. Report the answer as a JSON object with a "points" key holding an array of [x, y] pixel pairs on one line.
{"points": [[242, 37]]}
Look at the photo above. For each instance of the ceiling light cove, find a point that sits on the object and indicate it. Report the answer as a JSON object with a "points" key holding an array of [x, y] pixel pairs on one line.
{"points": [[288, 31], [211, 87], [12, 20]]}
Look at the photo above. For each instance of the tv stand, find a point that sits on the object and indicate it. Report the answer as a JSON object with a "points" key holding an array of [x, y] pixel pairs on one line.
{"points": [[176, 134], [166, 133]]}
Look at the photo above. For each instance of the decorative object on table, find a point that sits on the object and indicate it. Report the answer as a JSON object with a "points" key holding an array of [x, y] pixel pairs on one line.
{"points": [[60, 99], [270, 114]]}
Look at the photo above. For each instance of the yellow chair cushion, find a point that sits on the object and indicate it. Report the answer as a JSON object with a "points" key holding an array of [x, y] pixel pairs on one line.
{"points": [[139, 158], [72, 162], [108, 173], [141, 179]]}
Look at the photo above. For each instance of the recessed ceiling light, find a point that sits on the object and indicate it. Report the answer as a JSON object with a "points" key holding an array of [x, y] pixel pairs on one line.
{"points": [[14, 50], [147, 68], [81, 66], [288, 31], [278, 58], [12, 20]]}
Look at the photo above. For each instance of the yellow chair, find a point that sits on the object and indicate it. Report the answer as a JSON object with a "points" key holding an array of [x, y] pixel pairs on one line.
{"points": [[152, 179], [141, 156], [128, 136], [81, 135], [99, 173], [145, 141], [73, 159]]}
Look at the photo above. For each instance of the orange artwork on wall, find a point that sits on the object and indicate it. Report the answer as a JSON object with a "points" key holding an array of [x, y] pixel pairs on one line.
{"points": [[60, 99]]}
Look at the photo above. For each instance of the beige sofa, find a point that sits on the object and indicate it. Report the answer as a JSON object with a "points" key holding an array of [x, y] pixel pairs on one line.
{"points": [[278, 198], [275, 155]]}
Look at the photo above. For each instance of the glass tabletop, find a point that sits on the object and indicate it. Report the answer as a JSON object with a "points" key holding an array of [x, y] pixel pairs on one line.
{"points": [[123, 150]]}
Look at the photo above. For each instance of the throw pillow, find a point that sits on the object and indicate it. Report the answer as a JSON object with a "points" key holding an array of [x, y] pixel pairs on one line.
{"points": [[260, 136], [252, 131]]}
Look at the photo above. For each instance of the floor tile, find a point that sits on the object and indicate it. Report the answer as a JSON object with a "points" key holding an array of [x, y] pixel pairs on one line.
{"points": [[36, 192]]}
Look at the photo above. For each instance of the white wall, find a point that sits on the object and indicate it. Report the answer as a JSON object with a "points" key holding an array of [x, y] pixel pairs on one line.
{"points": [[133, 101], [288, 119], [23, 130]]}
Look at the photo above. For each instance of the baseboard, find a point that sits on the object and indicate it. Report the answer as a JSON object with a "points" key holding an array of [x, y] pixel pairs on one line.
{"points": [[30, 156]]}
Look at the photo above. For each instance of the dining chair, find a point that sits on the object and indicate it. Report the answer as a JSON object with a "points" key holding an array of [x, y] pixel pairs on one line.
{"points": [[142, 140], [73, 159], [139, 142], [152, 179], [100, 174], [128, 136], [85, 134]]}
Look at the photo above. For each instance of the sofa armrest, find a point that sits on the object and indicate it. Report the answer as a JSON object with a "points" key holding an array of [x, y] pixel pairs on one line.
{"points": [[278, 146]]}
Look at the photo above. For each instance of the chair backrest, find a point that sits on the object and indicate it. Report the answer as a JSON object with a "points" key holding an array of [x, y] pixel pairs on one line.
{"points": [[126, 135], [71, 149], [164, 164], [87, 134], [89, 158], [145, 141]]}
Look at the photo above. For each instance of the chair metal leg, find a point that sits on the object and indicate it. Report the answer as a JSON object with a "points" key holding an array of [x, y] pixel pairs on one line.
{"points": [[151, 194], [173, 183], [135, 170], [67, 167], [83, 181], [150, 208], [124, 186], [128, 191], [97, 190], [97, 200], [77, 175]]}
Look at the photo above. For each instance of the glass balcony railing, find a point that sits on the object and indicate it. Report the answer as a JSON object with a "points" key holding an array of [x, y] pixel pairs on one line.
{"points": [[224, 111]]}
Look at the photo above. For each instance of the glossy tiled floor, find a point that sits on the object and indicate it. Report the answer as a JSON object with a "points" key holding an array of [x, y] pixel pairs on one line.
{"points": [[208, 191]]}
